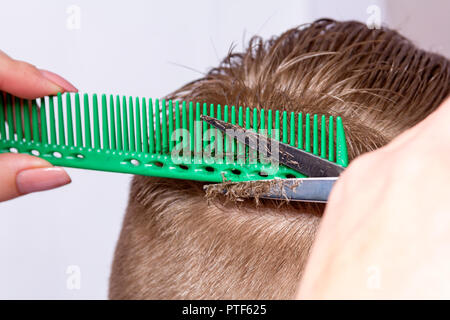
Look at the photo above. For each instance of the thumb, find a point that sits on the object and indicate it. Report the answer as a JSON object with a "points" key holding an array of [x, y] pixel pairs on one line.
{"points": [[24, 80], [21, 174]]}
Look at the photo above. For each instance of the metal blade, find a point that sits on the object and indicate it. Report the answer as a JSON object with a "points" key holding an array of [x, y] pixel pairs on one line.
{"points": [[302, 161], [307, 189], [303, 189]]}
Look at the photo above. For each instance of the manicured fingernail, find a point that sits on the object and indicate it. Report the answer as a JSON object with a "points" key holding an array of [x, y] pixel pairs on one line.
{"points": [[58, 80], [40, 179]]}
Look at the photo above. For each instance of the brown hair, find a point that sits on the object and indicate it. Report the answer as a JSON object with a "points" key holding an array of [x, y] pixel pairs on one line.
{"points": [[175, 245]]}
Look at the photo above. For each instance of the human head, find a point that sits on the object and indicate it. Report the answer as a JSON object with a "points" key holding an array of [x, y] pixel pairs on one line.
{"points": [[175, 245]]}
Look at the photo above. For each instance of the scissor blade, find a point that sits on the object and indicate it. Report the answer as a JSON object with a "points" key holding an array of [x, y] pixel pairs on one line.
{"points": [[303, 189], [302, 161], [307, 189]]}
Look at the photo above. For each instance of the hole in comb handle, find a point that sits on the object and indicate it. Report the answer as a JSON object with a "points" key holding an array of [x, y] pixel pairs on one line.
{"points": [[159, 164], [263, 174], [236, 172], [57, 154]]}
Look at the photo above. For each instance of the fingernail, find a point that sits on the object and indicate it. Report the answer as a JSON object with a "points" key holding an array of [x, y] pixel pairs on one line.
{"points": [[40, 179], [58, 80]]}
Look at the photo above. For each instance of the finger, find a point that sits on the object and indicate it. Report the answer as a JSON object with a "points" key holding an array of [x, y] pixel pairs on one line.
{"points": [[63, 83], [26, 81], [21, 174]]}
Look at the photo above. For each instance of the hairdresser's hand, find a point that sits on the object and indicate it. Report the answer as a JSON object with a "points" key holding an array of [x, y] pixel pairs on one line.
{"points": [[386, 228], [19, 173]]}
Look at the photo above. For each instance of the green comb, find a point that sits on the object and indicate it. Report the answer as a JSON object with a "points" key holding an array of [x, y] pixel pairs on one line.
{"points": [[159, 138]]}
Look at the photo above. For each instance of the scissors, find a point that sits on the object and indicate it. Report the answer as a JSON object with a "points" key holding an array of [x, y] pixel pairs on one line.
{"points": [[321, 173]]}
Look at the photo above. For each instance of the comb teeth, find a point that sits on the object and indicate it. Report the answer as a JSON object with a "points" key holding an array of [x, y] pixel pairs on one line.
{"points": [[137, 136]]}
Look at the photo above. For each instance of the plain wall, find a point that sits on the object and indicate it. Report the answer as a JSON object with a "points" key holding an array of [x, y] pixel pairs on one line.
{"points": [[137, 48], [427, 23]]}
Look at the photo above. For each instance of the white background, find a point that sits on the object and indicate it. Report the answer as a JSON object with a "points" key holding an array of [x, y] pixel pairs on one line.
{"points": [[138, 48]]}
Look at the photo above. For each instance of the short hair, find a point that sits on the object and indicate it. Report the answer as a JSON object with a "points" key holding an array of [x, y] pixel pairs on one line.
{"points": [[174, 245]]}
